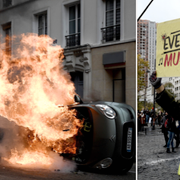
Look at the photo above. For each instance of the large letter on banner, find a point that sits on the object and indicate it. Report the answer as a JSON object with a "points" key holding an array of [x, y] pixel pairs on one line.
{"points": [[168, 49]]}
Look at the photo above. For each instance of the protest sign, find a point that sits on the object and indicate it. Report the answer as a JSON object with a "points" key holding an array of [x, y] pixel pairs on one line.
{"points": [[168, 49]]}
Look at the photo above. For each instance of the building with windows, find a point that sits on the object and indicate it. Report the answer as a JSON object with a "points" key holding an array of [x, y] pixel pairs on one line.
{"points": [[146, 47], [176, 86], [98, 38]]}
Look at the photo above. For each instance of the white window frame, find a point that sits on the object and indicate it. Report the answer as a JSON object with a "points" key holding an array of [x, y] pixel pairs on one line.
{"points": [[121, 23], [44, 25], [66, 5], [76, 17], [35, 15], [114, 13]]}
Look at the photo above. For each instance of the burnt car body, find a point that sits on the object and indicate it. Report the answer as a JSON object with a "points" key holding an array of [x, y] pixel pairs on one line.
{"points": [[107, 139]]}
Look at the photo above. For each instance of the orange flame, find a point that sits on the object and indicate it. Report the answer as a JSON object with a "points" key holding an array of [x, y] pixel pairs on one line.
{"points": [[29, 158], [33, 83]]}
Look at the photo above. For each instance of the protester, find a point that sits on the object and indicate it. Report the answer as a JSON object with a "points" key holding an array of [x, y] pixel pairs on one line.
{"points": [[147, 116], [153, 117], [164, 98], [165, 129], [166, 101], [142, 118], [139, 121], [171, 131]]}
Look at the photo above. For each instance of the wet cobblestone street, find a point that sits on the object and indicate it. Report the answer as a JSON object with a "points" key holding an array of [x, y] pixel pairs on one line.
{"points": [[153, 161]]}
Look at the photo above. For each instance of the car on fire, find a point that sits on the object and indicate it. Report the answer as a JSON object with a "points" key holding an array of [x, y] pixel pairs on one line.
{"points": [[107, 139]]}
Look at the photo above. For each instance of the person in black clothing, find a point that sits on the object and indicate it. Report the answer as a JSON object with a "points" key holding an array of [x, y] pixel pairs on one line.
{"points": [[139, 121], [147, 116], [171, 131], [153, 116], [164, 129], [168, 103]]}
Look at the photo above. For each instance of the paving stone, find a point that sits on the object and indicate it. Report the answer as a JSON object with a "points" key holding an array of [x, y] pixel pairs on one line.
{"points": [[153, 161]]}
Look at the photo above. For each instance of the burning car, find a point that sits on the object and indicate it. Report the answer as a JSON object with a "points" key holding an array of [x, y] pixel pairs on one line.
{"points": [[99, 135], [107, 139]]}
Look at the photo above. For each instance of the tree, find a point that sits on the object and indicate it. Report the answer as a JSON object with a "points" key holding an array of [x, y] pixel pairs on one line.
{"points": [[142, 81], [142, 68], [149, 106]]}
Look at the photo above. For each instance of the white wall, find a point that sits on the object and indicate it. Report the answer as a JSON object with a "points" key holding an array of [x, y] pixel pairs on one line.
{"points": [[92, 19], [128, 20]]}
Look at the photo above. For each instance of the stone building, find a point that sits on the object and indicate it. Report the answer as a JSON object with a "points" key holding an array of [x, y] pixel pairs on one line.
{"points": [[98, 37]]}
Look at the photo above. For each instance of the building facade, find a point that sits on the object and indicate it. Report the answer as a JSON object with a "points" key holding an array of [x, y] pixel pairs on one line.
{"points": [[146, 47], [98, 38]]}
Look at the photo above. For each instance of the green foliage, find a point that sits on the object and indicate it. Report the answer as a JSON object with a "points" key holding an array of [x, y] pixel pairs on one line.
{"points": [[142, 68], [140, 105], [149, 106]]}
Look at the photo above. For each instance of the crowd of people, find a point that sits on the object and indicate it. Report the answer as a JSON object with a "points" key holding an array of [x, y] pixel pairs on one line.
{"points": [[170, 127], [146, 117]]}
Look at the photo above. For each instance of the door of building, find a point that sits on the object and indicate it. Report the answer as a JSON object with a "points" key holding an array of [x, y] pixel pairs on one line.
{"points": [[119, 88], [77, 78]]}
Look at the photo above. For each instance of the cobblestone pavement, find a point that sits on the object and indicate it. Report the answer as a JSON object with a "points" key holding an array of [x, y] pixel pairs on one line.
{"points": [[153, 161]]}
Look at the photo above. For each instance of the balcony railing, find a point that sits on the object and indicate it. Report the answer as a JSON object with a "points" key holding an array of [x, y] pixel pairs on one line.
{"points": [[73, 40], [110, 33]]}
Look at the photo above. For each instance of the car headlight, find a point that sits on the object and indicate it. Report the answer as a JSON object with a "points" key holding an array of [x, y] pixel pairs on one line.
{"points": [[105, 163], [106, 110]]}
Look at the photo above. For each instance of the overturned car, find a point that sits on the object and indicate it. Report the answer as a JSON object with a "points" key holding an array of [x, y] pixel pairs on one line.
{"points": [[107, 139]]}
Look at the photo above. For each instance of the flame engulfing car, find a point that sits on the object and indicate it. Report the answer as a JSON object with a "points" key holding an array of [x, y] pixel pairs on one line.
{"points": [[107, 139], [33, 82]]}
